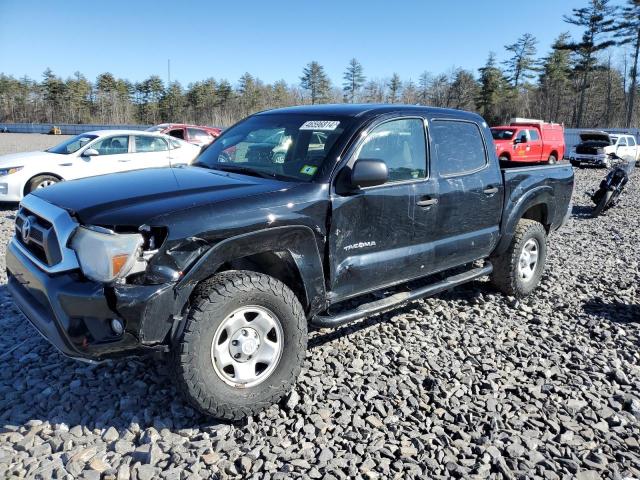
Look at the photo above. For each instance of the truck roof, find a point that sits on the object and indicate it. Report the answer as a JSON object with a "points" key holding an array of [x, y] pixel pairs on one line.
{"points": [[371, 110]]}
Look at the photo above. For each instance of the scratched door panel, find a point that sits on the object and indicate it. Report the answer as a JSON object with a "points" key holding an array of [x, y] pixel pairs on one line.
{"points": [[372, 239]]}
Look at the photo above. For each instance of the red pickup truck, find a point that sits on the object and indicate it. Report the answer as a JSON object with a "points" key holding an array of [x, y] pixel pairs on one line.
{"points": [[530, 141]]}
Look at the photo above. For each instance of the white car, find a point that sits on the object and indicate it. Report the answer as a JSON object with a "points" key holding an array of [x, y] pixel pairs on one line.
{"points": [[596, 148], [89, 154]]}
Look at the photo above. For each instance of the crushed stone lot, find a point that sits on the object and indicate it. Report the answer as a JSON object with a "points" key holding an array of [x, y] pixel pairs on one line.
{"points": [[468, 384]]}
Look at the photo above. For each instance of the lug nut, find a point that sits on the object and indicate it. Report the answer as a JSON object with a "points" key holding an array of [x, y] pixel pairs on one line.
{"points": [[237, 355], [244, 332], [234, 342]]}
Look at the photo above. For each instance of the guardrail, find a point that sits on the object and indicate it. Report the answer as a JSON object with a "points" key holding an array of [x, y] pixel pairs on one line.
{"points": [[65, 128]]}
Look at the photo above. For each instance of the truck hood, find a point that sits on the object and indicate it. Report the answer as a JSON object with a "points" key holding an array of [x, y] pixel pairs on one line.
{"points": [[595, 137], [22, 158], [136, 197]]}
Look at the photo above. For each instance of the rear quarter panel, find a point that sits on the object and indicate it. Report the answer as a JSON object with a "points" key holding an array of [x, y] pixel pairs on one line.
{"points": [[547, 186]]}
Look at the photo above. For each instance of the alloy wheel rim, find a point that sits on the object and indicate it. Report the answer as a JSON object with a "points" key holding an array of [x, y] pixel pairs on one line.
{"points": [[247, 346], [45, 183], [528, 260]]}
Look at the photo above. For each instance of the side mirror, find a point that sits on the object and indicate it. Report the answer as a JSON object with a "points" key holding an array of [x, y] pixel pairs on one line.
{"points": [[90, 152], [369, 173]]}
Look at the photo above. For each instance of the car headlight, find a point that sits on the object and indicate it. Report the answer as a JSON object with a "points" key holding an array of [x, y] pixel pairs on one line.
{"points": [[105, 256], [9, 170]]}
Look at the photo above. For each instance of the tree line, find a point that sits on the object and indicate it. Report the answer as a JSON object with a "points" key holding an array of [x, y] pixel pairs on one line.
{"points": [[580, 82]]}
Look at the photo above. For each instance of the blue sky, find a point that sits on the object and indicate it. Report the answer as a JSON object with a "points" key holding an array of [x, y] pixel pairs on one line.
{"points": [[271, 39]]}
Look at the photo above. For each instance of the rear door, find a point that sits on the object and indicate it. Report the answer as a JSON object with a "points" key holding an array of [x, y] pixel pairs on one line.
{"points": [[470, 194], [633, 148], [149, 152], [372, 239]]}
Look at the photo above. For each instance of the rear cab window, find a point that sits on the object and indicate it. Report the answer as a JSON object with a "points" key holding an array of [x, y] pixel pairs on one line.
{"points": [[146, 144], [459, 147]]}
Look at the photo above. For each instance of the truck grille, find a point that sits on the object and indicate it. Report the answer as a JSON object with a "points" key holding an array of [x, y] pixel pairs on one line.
{"points": [[587, 150], [42, 234], [38, 236]]}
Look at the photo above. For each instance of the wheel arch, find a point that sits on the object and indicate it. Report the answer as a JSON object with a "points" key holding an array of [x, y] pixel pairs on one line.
{"points": [[288, 253], [40, 174], [538, 205]]}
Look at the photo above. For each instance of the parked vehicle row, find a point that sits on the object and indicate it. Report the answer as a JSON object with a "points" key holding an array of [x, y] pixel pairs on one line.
{"points": [[287, 215], [598, 148], [89, 154], [529, 141]]}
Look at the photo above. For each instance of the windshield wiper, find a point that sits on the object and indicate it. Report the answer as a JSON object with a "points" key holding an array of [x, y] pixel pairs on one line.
{"points": [[245, 171]]}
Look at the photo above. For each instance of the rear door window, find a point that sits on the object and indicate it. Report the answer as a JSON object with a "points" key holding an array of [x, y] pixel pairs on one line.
{"points": [[146, 144], [459, 147], [199, 134], [632, 141]]}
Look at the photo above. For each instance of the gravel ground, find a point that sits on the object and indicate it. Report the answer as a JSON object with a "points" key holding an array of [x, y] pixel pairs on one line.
{"points": [[469, 384]]}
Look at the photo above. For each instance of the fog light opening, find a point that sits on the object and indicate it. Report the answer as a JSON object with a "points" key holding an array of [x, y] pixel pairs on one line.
{"points": [[117, 326]]}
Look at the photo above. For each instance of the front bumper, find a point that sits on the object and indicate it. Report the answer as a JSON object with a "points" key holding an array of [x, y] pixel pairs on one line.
{"points": [[75, 315], [596, 160]]}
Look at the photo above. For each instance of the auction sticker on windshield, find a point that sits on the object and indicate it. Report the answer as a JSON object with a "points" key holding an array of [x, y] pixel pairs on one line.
{"points": [[320, 125]]}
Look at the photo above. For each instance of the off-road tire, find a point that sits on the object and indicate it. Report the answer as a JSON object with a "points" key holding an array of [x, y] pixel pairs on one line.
{"points": [[35, 181], [505, 267], [213, 300], [602, 204]]}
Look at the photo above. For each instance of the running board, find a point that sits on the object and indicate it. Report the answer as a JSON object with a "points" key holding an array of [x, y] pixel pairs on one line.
{"points": [[401, 298]]}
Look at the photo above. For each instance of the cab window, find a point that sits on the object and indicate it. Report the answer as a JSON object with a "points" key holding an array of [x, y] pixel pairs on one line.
{"points": [[401, 145], [632, 141], [459, 147], [533, 134], [177, 133], [112, 145]]}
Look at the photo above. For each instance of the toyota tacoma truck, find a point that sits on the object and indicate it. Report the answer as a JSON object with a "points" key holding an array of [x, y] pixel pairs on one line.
{"points": [[225, 265]]}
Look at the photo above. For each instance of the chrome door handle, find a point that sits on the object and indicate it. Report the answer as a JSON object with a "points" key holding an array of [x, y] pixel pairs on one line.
{"points": [[427, 202]]}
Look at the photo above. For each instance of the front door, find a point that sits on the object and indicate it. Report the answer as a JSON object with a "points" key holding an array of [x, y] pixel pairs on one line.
{"points": [[114, 153], [372, 237], [535, 146]]}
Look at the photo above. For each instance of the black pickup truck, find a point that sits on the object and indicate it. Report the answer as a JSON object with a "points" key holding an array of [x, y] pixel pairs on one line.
{"points": [[285, 217]]}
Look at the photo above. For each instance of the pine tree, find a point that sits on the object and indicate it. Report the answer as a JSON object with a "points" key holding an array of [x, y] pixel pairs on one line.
{"points": [[353, 80], [395, 84], [554, 80], [597, 19], [316, 82], [522, 63], [492, 83], [628, 33]]}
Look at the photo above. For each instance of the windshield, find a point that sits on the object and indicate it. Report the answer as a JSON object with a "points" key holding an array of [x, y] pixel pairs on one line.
{"points": [[157, 128], [502, 134], [72, 145], [287, 147]]}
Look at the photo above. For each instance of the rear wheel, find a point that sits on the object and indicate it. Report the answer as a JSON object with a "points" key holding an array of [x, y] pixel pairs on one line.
{"points": [[243, 344], [504, 158], [552, 160], [41, 181], [517, 272], [602, 204]]}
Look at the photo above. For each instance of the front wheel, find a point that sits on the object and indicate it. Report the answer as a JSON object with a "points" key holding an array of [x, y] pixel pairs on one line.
{"points": [[243, 344], [41, 181], [517, 272]]}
